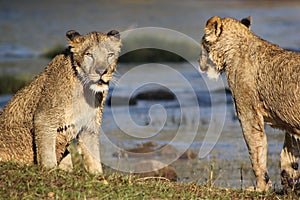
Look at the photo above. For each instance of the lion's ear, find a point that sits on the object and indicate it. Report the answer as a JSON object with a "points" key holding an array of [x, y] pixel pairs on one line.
{"points": [[247, 22], [114, 33], [73, 37], [213, 28]]}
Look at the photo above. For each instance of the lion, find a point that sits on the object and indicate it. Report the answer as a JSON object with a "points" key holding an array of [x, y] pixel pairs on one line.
{"points": [[265, 83], [62, 104]]}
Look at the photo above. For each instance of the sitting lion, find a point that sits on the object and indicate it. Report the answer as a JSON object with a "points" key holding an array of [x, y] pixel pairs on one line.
{"points": [[265, 83], [62, 103]]}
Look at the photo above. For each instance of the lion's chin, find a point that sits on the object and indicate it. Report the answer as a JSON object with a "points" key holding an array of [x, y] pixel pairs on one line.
{"points": [[212, 73], [99, 88]]}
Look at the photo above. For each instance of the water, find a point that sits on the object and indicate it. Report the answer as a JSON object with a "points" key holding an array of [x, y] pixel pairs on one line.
{"points": [[29, 28]]}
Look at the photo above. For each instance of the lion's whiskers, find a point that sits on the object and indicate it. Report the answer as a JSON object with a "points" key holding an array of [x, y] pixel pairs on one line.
{"points": [[115, 80], [117, 74], [85, 80], [94, 77]]}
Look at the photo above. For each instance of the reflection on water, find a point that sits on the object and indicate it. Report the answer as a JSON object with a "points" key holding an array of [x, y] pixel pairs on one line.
{"points": [[29, 28]]}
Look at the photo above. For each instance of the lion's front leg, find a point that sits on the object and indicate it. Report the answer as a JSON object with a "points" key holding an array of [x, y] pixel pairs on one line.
{"points": [[289, 158], [89, 147], [256, 140], [45, 142]]}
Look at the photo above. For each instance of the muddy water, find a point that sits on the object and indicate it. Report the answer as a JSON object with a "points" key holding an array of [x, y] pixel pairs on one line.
{"points": [[201, 118]]}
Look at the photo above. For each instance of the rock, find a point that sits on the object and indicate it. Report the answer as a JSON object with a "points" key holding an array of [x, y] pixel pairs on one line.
{"points": [[150, 55], [148, 149], [121, 101], [143, 149], [156, 95], [188, 154], [154, 168], [148, 144], [168, 150]]}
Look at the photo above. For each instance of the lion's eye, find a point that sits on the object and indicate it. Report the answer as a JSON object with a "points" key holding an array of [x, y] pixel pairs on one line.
{"points": [[111, 54], [88, 54], [110, 57]]}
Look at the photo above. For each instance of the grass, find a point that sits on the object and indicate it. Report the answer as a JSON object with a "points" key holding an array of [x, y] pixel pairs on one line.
{"points": [[33, 182]]}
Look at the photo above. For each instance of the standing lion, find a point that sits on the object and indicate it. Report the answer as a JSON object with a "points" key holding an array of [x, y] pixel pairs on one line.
{"points": [[64, 102], [265, 83]]}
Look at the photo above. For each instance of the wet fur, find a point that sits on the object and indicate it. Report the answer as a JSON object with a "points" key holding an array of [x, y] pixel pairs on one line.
{"points": [[41, 120], [265, 83]]}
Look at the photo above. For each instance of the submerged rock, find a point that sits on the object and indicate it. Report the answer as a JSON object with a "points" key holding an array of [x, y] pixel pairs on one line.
{"points": [[151, 148], [168, 150], [121, 101], [189, 155], [156, 95], [150, 55], [144, 149], [148, 144], [154, 168]]}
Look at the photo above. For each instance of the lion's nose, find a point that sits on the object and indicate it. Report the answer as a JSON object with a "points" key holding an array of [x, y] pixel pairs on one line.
{"points": [[101, 72]]}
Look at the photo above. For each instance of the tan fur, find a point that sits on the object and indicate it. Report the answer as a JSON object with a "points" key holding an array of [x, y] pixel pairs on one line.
{"points": [[265, 83], [64, 102]]}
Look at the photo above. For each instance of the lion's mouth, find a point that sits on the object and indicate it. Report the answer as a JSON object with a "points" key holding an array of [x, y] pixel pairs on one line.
{"points": [[99, 86]]}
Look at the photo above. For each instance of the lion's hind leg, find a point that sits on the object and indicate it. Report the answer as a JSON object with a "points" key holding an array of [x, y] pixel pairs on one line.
{"points": [[289, 162], [66, 163]]}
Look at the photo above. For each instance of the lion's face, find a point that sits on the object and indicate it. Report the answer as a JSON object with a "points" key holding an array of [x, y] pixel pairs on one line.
{"points": [[218, 38], [95, 57]]}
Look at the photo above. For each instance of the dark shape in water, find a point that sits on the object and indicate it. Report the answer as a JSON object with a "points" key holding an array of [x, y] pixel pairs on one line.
{"points": [[156, 95], [147, 55]]}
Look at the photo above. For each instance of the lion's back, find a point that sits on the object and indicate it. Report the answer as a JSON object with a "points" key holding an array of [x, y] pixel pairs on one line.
{"points": [[16, 119], [16, 123], [279, 88]]}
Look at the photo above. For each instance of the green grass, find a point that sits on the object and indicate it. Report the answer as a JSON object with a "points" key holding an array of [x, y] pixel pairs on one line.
{"points": [[32, 182]]}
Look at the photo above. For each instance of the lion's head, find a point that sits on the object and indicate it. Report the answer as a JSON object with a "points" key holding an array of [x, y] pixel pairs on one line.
{"points": [[220, 36], [94, 57]]}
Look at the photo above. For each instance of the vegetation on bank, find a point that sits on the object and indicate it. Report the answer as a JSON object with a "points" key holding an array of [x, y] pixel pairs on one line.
{"points": [[136, 56], [147, 49], [32, 182], [53, 51], [10, 84], [144, 48]]}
